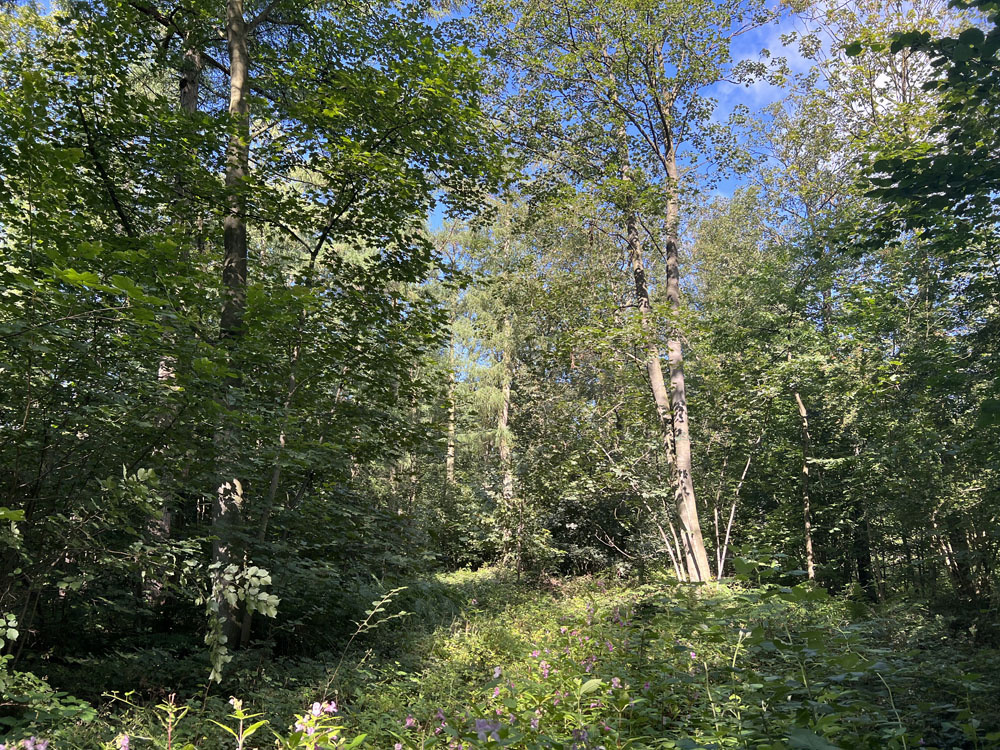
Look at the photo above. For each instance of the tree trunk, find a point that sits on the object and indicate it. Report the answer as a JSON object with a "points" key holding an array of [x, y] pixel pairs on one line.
{"points": [[227, 510], [806, 511], [449, 459], [671, 406], [687, 507], [511, 535], [234, 268]]}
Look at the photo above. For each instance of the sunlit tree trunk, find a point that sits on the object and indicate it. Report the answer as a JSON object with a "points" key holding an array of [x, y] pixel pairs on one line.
{"points": [[512, 535], [687, 507], [449, 458], [804, 479]]}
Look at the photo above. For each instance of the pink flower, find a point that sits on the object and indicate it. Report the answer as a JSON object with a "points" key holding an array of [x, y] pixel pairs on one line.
{"points": [[330, 707], [123, 742], [317, 708], [496, 673], [410, 722], [398, 746]]}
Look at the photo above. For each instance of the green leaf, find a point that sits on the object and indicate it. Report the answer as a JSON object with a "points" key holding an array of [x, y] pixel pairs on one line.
{"points": [[804, 739]]}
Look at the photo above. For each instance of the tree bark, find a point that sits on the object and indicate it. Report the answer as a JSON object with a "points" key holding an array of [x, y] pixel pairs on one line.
{"points": [[687, 507], [227, 511], [512, 534], [506, 461], [449, 459], [671, 406], [234, 267], [806, 511]]}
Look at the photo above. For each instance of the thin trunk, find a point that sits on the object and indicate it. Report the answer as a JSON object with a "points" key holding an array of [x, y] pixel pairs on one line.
{"points": [[670, 550], [506, 462], [188, 93], [806, 511], [227, 511], [863, 554], [671, 406], [687, 506], [732, 510], [449, 460], [234, 269]]}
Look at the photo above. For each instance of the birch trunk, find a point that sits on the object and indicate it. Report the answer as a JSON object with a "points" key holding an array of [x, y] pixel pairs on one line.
{"points": [[806, 510], [449, 459]]}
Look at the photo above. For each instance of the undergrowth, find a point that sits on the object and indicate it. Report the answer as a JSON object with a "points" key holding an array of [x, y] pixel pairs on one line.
{"points": [[582, 664]]}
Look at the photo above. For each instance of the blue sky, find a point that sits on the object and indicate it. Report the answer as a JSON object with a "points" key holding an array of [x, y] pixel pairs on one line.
{"points": [[728, 95]]}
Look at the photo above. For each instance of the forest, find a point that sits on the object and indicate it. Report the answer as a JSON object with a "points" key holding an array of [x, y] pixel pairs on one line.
{"points": [[541, 374]]}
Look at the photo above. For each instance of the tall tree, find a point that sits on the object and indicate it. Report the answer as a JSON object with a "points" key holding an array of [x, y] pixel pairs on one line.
{"points": [[612, 97]]}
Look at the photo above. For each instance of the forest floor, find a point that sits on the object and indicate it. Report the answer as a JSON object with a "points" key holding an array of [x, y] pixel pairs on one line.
{"points": [[591, 663]]}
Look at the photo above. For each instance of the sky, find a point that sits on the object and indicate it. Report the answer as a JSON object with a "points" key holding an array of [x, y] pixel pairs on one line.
{"points": [[755, 96]]}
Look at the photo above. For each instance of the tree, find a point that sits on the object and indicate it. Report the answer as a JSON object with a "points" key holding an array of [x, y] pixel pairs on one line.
{"points": [[614, 101]]}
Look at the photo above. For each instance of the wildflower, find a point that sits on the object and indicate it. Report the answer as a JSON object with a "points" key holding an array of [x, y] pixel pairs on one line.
{"points": [[645, 686], [535, 654], [317, 709], [123, 742], [534, 723], [562, 629], [611, 646], [694, 655], [615, 682], [486, 729], [439, 714], [496, 673], [398, 746], [496, 691], [545, 669], [410, 722], [330, 707]]}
